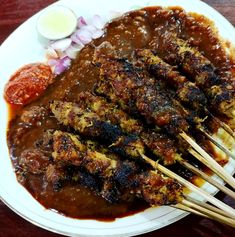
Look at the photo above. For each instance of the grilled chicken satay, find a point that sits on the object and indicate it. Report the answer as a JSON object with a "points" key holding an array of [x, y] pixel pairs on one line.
{"points": [[158, 143], [220, 92], [125, 85], [149, 185], [89, 124], [109, 112], [93, 125], [187, 92]]}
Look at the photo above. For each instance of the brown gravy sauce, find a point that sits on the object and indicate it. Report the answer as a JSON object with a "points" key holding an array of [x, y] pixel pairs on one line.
{"points": [[131, 31]]}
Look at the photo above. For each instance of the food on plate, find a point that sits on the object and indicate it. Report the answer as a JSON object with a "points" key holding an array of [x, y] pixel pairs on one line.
{"points": [[122, 93], [28, 83], [187, 92], [61, 52], [90, 124], [120, 179], [56, 22], [219, 90], [124, 84]]}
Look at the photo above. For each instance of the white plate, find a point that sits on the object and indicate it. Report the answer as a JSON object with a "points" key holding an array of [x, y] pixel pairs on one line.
{"points": [[23, 47]]}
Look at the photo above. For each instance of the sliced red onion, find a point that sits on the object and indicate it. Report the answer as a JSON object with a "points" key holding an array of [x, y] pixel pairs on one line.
{"points": [[84, 36], [71, 53], [97, 34], [62, 65], [59, 68], [66, 61], [92, 29], [81, 22], [72, 50], [98, 22], [52, 62], [60, 52], [51, 53], [61, 45], [75, 39]]}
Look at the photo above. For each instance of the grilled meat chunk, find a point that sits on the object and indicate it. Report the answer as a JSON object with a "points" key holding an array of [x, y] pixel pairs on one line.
{"points": [[34, 115], [109, 112], [158, 143], [124, 84], [117, 175], [219, 91], [69, 149], [90, 125], [187, 92], [161, 146]]}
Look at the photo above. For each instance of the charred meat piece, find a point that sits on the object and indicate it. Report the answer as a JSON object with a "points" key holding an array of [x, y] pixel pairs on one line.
{"points": [[187, 92], [109, 112], [158, 143], [130, 146], [161, 146], [124, 84], [220, 92], [69, 149], [89, 124], [160, 69], [44, 143], [148, 185]]}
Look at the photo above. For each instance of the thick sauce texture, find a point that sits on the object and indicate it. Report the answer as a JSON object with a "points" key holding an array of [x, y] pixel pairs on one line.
{"points": [[131, 31]]}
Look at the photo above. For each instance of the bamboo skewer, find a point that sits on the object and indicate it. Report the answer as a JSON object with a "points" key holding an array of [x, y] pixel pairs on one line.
{"points": [[208, 206], [209, 161], [228, 129], [204, 176], [223, 125], [207, 178], [207, 211], [187, 184], [201, 211], [221, 147]]}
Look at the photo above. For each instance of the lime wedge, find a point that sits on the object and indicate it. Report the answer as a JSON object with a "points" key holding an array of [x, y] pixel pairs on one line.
{"points": [[56, 22]]}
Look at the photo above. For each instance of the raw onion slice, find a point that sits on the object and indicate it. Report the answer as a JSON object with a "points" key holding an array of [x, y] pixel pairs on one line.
{"points": [[62, 65], [51, 53], [60, 52], [84, 36], [97, 34], [61, 45], [81, 22], [98, 22], [73, 50]]}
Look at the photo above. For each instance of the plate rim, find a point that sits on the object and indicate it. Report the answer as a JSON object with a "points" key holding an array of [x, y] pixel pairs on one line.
{"points": [[68, 233]]}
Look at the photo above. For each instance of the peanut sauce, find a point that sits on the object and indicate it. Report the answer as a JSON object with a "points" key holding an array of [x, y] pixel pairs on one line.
{"points": [[133, 30]]}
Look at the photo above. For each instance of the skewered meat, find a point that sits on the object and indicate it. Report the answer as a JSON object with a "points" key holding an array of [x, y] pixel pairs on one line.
{"points": [[219, 91], [122, 83], [69, 149], [187, 92], [90, 125], [158, 143], [151, 186], [109, 112], [97, 127]]}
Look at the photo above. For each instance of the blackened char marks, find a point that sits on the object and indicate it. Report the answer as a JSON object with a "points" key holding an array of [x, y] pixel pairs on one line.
{"points": [[129, 85]]}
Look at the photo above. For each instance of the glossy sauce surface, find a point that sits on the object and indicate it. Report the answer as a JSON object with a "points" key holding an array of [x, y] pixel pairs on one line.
{"points": [[134, 30]]}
